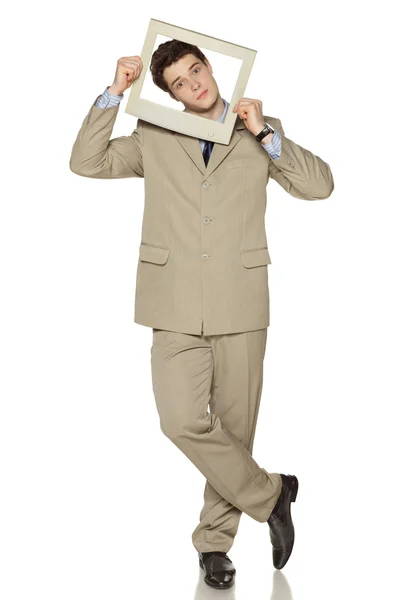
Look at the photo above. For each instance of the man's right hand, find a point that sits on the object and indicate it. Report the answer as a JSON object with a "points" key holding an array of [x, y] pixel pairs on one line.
{"points": [[128, 69]]}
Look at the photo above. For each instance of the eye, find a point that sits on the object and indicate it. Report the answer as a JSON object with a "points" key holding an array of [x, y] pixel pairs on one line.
{"points": [[195, 69]]}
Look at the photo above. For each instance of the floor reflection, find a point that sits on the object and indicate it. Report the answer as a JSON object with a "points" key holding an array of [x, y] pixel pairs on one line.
{"points": [[280, 589]]}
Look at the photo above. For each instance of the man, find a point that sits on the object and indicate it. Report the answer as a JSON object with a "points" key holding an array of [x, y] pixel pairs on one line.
{"points": [[202, 283]]}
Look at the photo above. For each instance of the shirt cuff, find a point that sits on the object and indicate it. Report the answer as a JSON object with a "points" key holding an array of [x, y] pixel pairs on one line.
{"points": [[106, 99], [274, 147]]}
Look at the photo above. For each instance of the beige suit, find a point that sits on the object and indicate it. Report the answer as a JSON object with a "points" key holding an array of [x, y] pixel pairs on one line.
{"points": [[202, 285], [203, 255]]}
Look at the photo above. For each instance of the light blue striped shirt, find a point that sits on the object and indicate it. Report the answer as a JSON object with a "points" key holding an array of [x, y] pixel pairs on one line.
{"points": [[274, 148]]}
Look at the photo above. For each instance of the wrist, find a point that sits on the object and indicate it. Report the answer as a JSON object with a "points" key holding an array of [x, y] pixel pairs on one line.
{"points": [[112, 89], [267, 139], [265, 133]]}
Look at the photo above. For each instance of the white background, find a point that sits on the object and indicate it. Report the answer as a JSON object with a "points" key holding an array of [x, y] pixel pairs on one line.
{"points": [[96, 502]]}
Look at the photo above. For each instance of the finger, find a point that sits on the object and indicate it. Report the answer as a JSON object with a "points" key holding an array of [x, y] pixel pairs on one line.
{"points": [[130, 63], [127, 62], [136, 57], [132, 67], [248, 103], [240, 103]]}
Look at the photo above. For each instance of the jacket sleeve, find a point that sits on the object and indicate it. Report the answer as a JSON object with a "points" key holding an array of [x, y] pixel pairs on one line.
{"points": [[300, 172], [95, 155]]}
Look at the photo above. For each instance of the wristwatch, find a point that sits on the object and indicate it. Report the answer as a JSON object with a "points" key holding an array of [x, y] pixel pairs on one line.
{"points": [[267, 129]]}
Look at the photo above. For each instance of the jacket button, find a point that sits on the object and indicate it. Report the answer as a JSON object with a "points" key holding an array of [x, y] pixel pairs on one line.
{"points": [[205, 256], [206, 220], [206, 184]]}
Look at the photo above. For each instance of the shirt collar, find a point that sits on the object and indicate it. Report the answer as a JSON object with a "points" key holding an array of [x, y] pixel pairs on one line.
{"points": [[222, 117]]}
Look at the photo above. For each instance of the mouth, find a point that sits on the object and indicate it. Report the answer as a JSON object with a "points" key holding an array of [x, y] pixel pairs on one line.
{"points": [[202, 95]]}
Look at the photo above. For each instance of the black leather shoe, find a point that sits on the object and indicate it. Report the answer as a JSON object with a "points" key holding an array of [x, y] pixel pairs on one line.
{"points": [[281, 530], [220, 572]]}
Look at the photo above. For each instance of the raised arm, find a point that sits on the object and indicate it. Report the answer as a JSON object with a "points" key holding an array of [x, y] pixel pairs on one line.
{"points": [[94, 154]]}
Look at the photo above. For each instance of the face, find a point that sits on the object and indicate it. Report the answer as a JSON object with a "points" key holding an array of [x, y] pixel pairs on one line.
{"points": [[187, 79]]}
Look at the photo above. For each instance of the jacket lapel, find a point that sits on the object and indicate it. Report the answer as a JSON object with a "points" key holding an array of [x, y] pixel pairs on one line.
{"points": [[191, 145]]}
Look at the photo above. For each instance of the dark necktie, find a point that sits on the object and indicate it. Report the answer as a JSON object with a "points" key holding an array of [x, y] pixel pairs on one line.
{"points": [[208, 146]]}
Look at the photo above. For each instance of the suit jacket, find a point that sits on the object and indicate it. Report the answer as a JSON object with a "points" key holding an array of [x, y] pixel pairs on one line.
{"points": [[203, 254]]}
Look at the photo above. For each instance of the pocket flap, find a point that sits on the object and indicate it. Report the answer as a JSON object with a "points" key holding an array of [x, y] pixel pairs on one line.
{"points": [[153, 254], [255, 257]]}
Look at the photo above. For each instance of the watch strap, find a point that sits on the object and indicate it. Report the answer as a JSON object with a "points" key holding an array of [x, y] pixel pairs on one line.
{"points": [[265, 131]]}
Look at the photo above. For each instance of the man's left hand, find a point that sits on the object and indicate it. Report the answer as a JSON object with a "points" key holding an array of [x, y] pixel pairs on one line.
{"points": [[250, 111]]}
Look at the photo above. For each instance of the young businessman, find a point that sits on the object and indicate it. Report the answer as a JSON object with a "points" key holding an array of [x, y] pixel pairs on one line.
{"points": [[202, 283]]}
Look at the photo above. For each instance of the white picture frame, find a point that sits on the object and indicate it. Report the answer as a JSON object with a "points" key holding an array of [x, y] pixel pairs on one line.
{"points": [[177, 119]]}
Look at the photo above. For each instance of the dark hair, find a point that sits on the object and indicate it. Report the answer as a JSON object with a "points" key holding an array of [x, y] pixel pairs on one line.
{"points": [[167, 54]]}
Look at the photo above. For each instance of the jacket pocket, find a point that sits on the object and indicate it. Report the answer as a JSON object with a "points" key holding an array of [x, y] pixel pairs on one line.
{"points": [[154, 254], [255, 257]]}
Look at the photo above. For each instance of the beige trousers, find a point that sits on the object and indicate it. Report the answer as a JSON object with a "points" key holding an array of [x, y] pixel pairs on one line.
{"points": [[190, 372]]}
